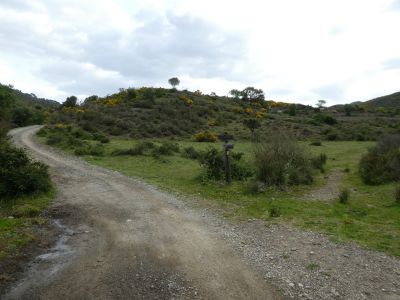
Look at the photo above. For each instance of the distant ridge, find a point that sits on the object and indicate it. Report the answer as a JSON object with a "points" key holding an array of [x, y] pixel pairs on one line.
{"points": [[388, 101]]}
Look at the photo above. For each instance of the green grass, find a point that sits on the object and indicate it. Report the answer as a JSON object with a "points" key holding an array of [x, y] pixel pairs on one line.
{"points": [[370, 218], [17, 218]]}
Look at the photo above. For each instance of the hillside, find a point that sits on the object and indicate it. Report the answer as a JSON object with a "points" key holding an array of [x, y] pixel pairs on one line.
{"points": [[388, 101], [27, 109], [158, 112]]}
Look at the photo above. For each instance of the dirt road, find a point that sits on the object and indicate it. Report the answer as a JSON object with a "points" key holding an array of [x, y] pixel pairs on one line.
{"points": [[126, 240]]}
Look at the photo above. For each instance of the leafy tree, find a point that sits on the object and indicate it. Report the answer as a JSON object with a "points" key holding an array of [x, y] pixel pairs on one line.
{"points": [[22, 116], [235, 93], [251, 94], [321, 103], [70, 102], [90, 99], [174, 81]]}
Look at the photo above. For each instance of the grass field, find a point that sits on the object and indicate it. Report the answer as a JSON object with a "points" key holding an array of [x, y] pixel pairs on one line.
{"points": [[371, 218], [17, 219]]}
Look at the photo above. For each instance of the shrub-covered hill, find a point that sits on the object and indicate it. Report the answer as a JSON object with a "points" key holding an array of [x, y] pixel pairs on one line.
{"points": [[25, 109], [388, 101], [159, 112]]}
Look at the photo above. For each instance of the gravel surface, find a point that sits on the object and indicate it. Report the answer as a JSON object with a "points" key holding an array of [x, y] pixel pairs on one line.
{"points": [[127, 240]]}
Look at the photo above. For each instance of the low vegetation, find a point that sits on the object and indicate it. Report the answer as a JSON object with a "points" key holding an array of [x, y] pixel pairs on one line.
{"points": [[370, 218], [382, 162], [25, 185]]}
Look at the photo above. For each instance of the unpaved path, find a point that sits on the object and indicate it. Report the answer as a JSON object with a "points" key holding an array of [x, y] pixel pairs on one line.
{"points": [[128, 241], [330, 190]]}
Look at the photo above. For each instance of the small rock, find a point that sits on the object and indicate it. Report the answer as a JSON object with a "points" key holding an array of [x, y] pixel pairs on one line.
{"points": [[300, 285], [11, 217], [291, 284], [311, 252]]}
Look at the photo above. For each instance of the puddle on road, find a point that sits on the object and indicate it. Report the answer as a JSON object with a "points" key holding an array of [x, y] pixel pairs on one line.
{"points": [[45, 265]]}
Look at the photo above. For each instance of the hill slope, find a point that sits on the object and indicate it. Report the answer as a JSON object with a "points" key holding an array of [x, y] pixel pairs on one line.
{"points": [[388, 101], [159, 112]]}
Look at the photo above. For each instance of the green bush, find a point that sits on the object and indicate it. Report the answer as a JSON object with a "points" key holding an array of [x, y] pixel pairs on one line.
{"points": [[381, 164], [319, 161], [213, 162], [323, 118], [274, 212], [344, 196], [166, 148], [316, 143], [54, 140], [282, 161], [89, 149], [190, 152], [19, 175], [102, 138]]}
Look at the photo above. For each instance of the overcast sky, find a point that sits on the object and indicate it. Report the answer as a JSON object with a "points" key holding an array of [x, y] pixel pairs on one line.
{"points": [[296, 51]]}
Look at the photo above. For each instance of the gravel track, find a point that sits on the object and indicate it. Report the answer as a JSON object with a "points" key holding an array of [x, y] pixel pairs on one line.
{"points": [[127, 240]]}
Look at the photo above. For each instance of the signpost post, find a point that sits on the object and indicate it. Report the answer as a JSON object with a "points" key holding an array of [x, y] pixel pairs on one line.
{"points": [[227, 149]]}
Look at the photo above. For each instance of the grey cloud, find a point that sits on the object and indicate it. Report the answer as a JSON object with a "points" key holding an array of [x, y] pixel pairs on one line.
{"points": [[329, 92], [165, 45], [175, 44]]}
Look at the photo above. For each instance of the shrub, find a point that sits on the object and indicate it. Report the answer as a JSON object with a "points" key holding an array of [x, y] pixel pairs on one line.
{"points": [[214, 163], [381, 163], [88, 149], [316, 143], [282, 161], [205, 136], [166, 148], [319, 161], [191, 153], [274, 212], [397, 195], [240, 170], [327, 119], [54, 140], [344, 196], [102, 138], [19, 175]]}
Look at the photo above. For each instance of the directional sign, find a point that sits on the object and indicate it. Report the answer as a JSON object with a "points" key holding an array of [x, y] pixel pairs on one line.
{"points": [[225, 137]]}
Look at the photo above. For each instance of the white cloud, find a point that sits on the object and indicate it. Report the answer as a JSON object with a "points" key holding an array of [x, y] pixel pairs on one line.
{"points": [[295, 50]]}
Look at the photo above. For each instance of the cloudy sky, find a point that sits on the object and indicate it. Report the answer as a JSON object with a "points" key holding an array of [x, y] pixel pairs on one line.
{"points": [[296, 51]]}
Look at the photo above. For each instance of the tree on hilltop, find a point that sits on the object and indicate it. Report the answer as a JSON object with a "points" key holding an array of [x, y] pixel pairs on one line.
{"points": [[70, 101], [174, 81]]}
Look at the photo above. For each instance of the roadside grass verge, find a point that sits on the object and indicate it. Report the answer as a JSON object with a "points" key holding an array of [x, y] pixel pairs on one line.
{"points": [[18, 218], [370, 218]]}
